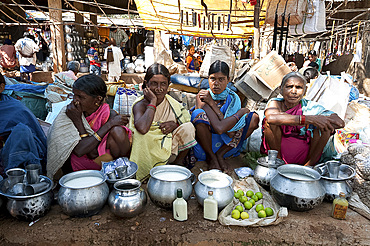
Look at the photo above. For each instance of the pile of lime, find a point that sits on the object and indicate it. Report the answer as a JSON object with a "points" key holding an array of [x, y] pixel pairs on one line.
{"points": [[249, 200]]}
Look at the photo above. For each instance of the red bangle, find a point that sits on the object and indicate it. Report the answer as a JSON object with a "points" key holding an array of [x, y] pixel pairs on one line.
{"points": [[151, 105], [302, 120]]}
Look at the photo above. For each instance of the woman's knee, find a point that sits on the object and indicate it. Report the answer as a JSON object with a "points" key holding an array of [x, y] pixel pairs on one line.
{"points": [[117, 133], [255, 121]]}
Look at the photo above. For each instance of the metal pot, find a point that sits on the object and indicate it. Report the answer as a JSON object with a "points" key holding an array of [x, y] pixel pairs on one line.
{"points": [[83, 193], [164, 182], [130, 68], [127, 199], [70, 47], [333, 186], [297, 187], [69, 38], [130, 174], [29, 207], [265, 171], [68, 28], [218, 182]]}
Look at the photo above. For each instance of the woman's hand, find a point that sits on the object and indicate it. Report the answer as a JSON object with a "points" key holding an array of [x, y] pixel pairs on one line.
{"points": [[205, 96], [118, 120], [324, 123], [150, 96], [74, 111], [167, 127]]}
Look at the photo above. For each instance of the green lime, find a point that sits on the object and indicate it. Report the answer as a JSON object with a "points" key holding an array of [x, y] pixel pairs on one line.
{"points": [[239, 208], [248, 205], [259, 195], [237, 195], [243, 199], [250, 193], [255, 198], [235, 214], [241, 192], [244, 215], [262, 214], [252, 201], [259, 207], [269, 212]]}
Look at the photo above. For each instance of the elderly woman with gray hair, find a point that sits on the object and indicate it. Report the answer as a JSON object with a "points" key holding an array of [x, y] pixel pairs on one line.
{"points": [[68, 77], [298, 128]]}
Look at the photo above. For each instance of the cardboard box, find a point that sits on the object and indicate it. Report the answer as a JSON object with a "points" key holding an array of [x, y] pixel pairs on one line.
{"points": [[252, 88], [270, 70]]}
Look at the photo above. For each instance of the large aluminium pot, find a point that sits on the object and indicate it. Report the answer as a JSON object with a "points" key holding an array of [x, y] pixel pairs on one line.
{"points": [[297, 187], [164, 182], [265, 171], [127, 199], [219, 183], [29, 207], [83, 193], [333, 186]]}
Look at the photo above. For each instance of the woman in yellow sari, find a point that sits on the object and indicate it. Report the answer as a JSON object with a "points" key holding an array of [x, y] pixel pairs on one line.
{"points": [[162, 131]]}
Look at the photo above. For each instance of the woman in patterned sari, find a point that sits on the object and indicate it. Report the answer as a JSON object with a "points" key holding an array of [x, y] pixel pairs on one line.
{"points": [[221, 123]]}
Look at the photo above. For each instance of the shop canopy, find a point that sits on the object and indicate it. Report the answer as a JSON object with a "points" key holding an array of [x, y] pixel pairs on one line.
{"points": [[191, 17]]}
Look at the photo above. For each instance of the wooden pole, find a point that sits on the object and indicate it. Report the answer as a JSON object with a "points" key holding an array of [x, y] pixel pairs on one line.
{"points": [[57, 36], [79, 19], [256, 35], [366, 48]]}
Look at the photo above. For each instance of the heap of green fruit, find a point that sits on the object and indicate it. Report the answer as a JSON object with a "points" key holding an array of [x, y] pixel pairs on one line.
{"points": [[239, 213]]}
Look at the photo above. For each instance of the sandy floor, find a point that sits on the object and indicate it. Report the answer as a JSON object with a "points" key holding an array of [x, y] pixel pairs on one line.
{"points": [[156, 227]]}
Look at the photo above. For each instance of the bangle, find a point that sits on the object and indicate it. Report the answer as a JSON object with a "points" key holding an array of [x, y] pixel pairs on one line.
{"points": [[236, 117], [97, 137], [303, 119], [84, 135], [151, 105]]}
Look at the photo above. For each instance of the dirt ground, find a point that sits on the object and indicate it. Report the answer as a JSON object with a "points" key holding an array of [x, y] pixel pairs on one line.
{"points": [[155, 226]]}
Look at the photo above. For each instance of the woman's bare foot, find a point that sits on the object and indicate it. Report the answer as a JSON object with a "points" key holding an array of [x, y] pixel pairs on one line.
{"points": [[223, 164], [213, 164]]}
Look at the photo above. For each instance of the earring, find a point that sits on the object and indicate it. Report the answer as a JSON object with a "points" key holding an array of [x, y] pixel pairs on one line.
{"points": [[97, 104]]}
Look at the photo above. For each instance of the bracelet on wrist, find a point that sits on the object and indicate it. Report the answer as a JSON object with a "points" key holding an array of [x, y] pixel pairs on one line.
{"points": [[84, 135], [97, 137], [152, 105], [236, 117], [303, 120]]}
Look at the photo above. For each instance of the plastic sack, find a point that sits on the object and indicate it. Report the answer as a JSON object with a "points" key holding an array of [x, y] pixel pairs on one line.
{"points": [[313, 19], [267, 201], [123, 100], [217, 52]]}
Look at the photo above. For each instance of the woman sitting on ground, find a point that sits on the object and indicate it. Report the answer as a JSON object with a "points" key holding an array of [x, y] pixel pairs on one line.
{"points": [[162, 131], [298, 128], [68, 77], [221, 123], [87, 131]]}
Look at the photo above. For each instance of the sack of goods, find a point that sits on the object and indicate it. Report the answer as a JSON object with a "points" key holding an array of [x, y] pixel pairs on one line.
{"points": [[124, 100]]}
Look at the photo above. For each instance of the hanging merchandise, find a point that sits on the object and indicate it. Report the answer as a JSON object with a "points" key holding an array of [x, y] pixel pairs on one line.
{"points": [[313, 20], [219, 23], [194, 17], [253, 2], [187, 18], [296, 9]]}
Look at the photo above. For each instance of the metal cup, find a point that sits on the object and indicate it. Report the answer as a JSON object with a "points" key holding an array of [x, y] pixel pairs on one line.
{"points": [[18, 189], [33, 173], [272, 155], [121, 171], [111, 175], [32, 189], [15, 175], [333, 168]]}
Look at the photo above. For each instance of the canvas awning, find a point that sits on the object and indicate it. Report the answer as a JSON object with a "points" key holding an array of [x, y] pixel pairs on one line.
{"points": [[183, 16]]}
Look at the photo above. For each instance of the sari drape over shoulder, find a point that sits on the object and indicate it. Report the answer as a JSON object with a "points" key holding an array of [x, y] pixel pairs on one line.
{"points": [[155, 148]]}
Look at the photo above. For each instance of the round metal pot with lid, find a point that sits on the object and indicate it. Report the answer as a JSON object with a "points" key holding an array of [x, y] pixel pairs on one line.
{"points": [[297, 187], [333, 186], [265, 171], [29, 207], [218, 182], [83, 193], [164, 182], [127, 199]]}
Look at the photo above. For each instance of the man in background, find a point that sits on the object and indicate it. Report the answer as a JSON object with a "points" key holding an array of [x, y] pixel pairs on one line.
{"points": [[26, 48]]}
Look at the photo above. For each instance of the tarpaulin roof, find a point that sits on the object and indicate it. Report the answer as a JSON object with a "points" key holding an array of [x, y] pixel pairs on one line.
{"points": [[189, 17]]}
